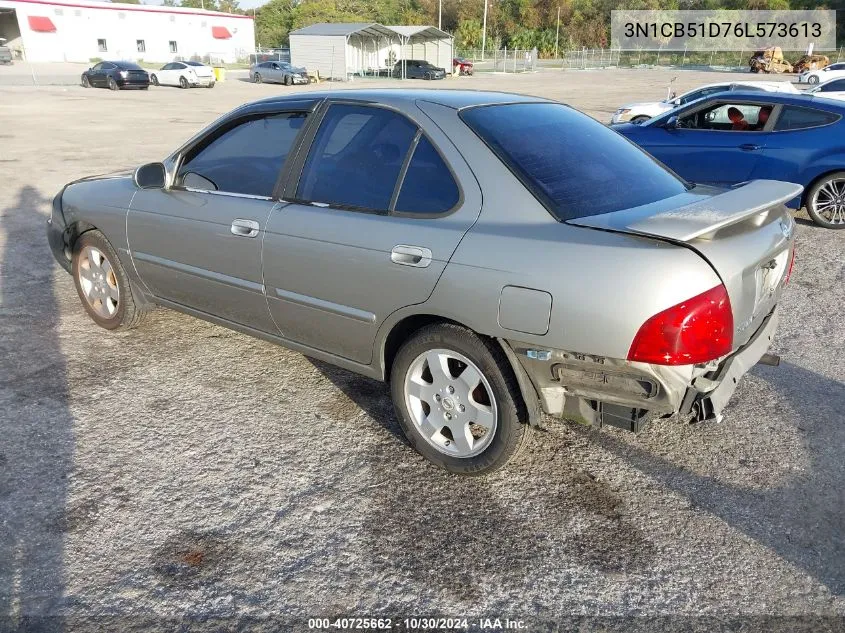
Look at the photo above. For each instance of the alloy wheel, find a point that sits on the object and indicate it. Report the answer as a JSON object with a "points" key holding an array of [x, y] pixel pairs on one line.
{"points": [[829, 201], [451, 403], [99, 282]]}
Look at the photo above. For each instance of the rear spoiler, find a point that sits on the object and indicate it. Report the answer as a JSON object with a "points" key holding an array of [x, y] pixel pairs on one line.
{"points": [[686, 223]]}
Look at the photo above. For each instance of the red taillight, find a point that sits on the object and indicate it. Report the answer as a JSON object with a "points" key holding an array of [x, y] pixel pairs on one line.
{"points": [[694, 331], [789, 268]]}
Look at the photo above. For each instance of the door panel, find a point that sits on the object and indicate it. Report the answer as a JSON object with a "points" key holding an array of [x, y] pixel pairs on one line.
{"points": [[184, 249], [333, 274], [708, 156]]}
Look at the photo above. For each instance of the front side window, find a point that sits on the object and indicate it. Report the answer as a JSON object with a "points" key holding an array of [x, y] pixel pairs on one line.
{"points": [[99, 66], [728, 117], [797, 118], [245, 159], [101, 46], [356, 157], [428, 186], [699, 94], [838, 85], [573, 164]]}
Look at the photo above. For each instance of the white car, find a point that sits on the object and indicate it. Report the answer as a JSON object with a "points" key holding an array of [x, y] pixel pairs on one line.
{"points": [[641, 112], [184, 75], [822, 75], [832, 89]]}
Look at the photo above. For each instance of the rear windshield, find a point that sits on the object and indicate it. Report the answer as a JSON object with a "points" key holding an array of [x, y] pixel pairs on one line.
{"points": [[195, 63], [128, 66], [573, 164]]}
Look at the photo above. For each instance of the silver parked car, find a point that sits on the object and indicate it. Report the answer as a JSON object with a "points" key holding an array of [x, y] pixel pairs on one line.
{"points": [[493, 256], [278, 72]]}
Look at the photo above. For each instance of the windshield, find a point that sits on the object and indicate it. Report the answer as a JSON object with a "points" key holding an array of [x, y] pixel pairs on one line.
{"points": [[573, 164]]}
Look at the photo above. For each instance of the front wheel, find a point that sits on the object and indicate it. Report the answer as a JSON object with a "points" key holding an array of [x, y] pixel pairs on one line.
{"points": [[457, 400], [102, 284], [826, 201], [257, 78], [812, 79], [86, 83], [288, 80]]}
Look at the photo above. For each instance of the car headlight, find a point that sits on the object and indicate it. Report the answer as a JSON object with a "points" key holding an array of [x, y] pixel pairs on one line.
{"points": [[124, 74]]}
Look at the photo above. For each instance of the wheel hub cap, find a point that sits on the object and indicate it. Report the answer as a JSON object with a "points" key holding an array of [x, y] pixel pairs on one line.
{"points": [[451, 403], [829, 201], [98, 282]]}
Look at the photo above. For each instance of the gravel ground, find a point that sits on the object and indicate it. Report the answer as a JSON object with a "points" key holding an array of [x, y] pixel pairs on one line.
{"points": [[185, 471]]}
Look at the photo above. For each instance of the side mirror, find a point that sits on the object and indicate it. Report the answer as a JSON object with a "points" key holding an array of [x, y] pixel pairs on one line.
{"points": [[671, 123], [151, 176]]}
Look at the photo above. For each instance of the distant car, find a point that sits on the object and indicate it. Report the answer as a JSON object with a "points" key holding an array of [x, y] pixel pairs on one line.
{"points": [[377, 230], [463, 65], [116, 76], [833, 89], [184, 75], [797, 138], [640, 112], [418, 69], [821, 75], [278, 72], [5, 52]]}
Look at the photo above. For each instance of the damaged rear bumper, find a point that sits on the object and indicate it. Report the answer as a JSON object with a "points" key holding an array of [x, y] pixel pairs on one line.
{"points": [[596, 390]]}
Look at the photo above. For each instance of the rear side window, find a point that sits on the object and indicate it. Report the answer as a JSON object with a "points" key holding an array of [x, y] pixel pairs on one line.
{"points": [[573, 164], [797, 118], [428, 186], [837, 85], [246, 159], [356, 158]]}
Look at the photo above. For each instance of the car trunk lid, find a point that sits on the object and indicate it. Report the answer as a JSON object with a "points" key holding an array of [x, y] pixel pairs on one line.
{"points": [[745, 233], [203, 71]]}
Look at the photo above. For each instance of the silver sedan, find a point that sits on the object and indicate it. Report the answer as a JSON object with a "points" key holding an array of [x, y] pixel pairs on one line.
{"points": [[492, 256]]}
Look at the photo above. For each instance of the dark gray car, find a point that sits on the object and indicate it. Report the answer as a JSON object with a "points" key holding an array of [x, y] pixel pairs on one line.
{"points": [[493, 256], [5, 52]]}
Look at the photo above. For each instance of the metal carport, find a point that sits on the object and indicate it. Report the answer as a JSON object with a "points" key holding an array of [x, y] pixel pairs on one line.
{"points": [[343, 50], [426, 42]]}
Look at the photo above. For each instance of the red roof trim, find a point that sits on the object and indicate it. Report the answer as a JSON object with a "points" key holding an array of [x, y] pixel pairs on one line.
{"points": [[124, 7], [220, 33], [41, 24]]}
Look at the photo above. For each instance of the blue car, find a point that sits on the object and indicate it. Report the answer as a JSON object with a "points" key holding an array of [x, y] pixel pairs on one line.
{"points": [[733, 137]]}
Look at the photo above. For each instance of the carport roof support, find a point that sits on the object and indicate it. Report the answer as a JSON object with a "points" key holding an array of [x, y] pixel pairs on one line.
{"points": [[372, 29], [421, 32]]}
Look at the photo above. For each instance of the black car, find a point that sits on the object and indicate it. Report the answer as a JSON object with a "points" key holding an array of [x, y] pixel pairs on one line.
{"points": [[418, 69], [115, 76]]}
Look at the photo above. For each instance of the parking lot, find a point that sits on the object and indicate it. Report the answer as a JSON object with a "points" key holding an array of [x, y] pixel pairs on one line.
{"points": [[184, 470]]}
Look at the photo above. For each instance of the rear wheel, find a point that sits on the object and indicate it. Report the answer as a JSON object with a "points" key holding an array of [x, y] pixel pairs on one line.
{"points": [[457, 400], [826, 201], [102, 283], [154, 80], [257, 78], [183, 83], [113, 84], [211, 85]]}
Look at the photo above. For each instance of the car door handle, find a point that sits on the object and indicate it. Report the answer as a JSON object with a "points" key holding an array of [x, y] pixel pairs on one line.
{"points": [[405, 255], [245, 228], [749, 147]]}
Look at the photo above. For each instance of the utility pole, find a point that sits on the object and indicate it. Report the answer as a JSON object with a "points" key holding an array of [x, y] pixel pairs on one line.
{"points": [[484, 31], [557, 33], [440, 15]]}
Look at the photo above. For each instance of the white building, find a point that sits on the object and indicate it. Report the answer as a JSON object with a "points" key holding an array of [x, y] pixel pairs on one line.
{"points": [[342, 50], [79, 30]]}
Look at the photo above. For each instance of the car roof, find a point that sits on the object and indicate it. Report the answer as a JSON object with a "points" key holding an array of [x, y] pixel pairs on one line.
{"points": [[450, 98]]}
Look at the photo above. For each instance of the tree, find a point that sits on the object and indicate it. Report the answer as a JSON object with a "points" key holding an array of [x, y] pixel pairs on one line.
{"points": [[208, 5]]}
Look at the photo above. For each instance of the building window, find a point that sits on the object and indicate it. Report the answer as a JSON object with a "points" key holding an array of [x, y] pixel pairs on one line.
{"points": [[142, 46], [78, 13], [101, 46], [121, 16], [59, 11], [173, 47]]}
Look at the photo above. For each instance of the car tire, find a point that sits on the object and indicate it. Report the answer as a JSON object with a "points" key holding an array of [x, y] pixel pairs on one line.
{"points": [[257, 78], [113, 84], [448, 402], [102, 283], [828, 188], [288, 80], [638, 120], [183, 83], [86, 83], [211, 85], [154, 80], [812, 79]]}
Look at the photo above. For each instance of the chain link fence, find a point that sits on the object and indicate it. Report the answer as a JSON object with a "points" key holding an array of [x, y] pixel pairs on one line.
{"points": [[269, 55], [516, 60]]}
